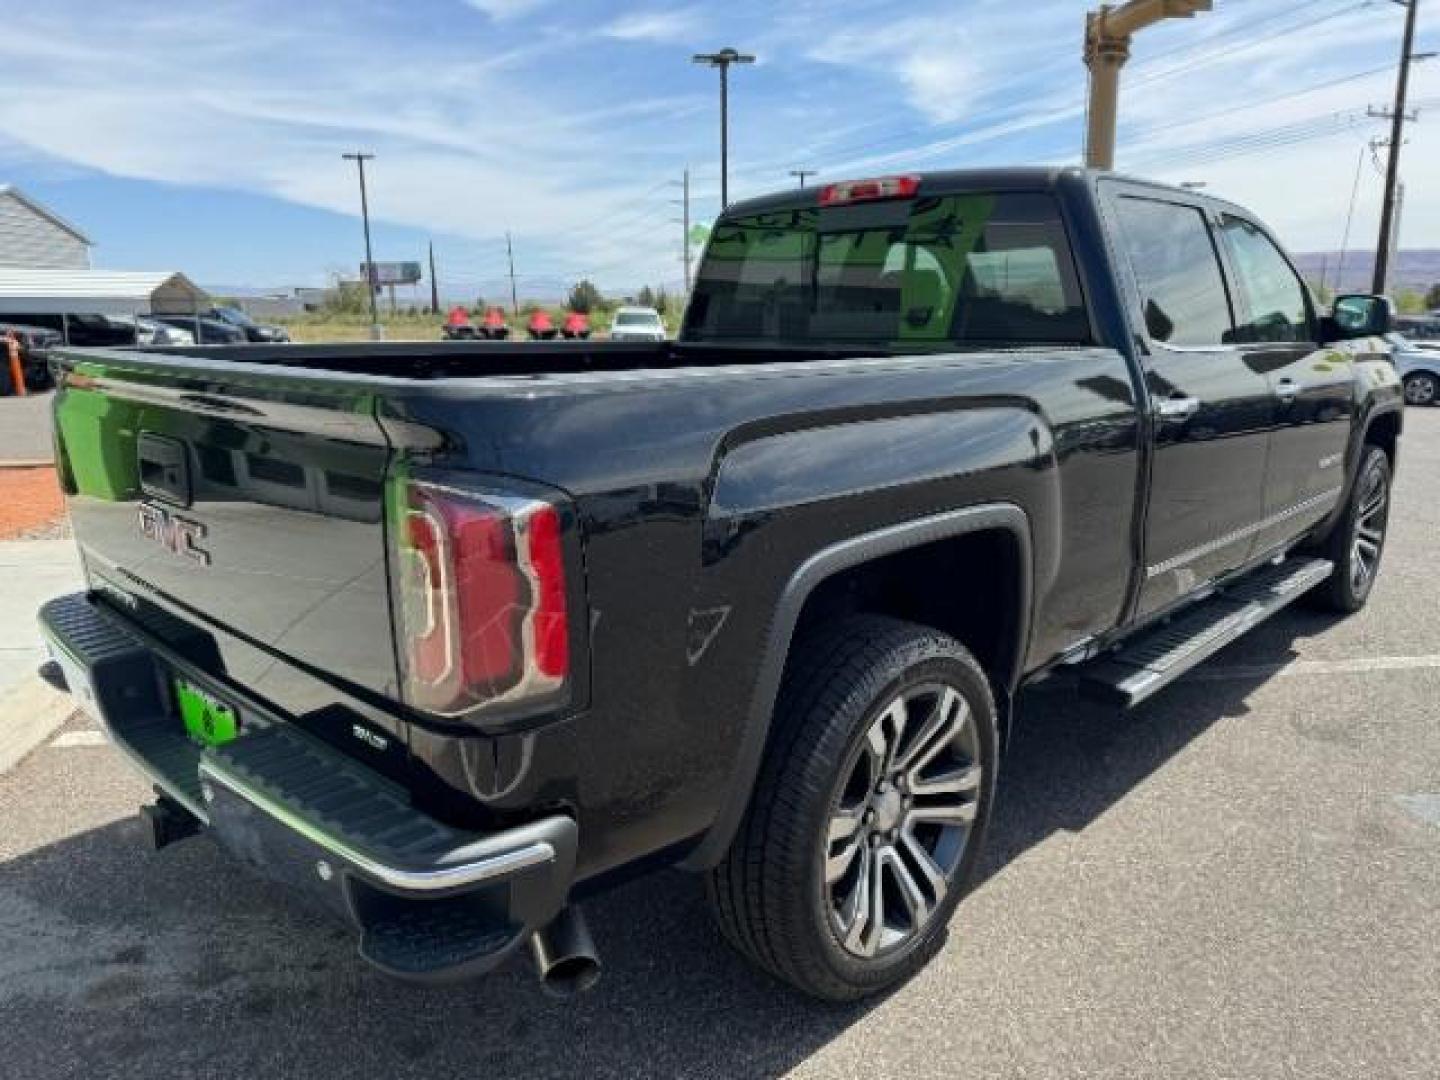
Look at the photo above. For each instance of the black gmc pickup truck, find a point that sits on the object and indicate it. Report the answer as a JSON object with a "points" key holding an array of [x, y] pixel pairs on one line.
{"points": [[452, 635]]}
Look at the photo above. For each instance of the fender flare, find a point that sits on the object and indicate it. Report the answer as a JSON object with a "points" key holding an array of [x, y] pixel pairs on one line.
{"points": [[829, 561]]}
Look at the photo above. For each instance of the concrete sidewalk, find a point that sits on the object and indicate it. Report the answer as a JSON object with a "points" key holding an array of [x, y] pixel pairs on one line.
{"points": [[31, 571], [25, 428]]}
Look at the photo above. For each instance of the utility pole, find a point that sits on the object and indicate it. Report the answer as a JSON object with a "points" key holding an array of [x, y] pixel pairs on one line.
{"points": [[722, 60], [434, 285], [1397, 129], [684, 222], [376, 331], [685, 225], [514, 296], [1108, 31], [800, 174]]}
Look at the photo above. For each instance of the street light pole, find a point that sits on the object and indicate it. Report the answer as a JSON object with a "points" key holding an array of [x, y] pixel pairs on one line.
{"points": [[722, 60], [800, 174], [376, 333]]}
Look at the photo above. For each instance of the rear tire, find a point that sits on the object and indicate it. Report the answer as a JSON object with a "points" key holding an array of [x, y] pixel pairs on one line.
{"points": [[878, 782], [1357, 541], [1421, 388]]}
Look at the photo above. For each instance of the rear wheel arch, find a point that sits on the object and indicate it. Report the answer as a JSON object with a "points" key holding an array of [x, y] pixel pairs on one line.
{"points": [[821, 574]]}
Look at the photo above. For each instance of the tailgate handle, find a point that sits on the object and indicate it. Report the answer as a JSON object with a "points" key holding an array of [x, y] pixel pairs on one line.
{"points": [[164, 468]]}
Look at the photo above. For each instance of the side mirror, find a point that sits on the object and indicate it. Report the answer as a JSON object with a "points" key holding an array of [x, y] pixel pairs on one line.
{"points": [[1359, 315]]}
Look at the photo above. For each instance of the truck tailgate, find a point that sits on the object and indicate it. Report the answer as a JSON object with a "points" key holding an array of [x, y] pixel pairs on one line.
{"points": [[250, 508]]}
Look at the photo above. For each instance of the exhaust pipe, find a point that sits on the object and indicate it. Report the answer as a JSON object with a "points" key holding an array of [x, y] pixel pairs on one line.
{"points": [[564, 955]]}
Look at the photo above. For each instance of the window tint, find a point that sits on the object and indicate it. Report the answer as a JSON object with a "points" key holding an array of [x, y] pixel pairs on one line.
{"points": [[1181, 288], [980, 267], [1273, 295]]}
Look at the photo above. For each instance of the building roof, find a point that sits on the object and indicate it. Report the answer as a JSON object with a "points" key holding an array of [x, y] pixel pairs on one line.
{"points": [[104, 292], [45, 212]]}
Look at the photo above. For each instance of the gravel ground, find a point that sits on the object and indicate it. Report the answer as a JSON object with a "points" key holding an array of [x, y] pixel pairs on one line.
{"points": [[1238, 880]]}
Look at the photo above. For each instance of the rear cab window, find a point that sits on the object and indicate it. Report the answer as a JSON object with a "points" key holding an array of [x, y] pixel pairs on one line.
{"points": [[981, 268]]}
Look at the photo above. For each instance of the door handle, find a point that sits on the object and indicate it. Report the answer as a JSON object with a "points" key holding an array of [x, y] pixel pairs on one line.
{"points": [[1176, 407], [1287, 390]]}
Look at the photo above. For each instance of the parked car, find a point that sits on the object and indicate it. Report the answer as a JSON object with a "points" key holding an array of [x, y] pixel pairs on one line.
{"points": [[149, 331], [205, 331], [36, 344], [448, 649], [1418, 366], [84, 328], [637, 324], [252, 330]]}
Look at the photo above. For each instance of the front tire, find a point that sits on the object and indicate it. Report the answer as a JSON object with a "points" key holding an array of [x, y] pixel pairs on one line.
{"points": [[869, 813], [1357, 540]]}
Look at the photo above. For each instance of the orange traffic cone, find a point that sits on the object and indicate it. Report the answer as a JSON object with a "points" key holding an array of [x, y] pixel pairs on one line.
{"points": [[17, 370]]}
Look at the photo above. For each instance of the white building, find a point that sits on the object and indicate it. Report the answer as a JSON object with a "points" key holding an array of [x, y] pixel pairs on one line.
{"points": [[45, 272], [34, 237]]}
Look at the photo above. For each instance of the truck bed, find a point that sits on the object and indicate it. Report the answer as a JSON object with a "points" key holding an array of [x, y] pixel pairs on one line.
{"points": [[481, 359]]}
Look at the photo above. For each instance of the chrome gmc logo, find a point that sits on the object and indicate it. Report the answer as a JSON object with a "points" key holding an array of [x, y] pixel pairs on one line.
{"points": [[173, 532]]}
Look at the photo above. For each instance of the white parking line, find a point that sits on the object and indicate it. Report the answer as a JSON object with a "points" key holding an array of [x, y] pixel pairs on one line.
{"points": [[1354, 666], [68, 739]]}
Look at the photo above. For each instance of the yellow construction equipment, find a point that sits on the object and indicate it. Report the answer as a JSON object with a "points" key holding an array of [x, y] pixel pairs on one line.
{"points": [[1108, 31]]}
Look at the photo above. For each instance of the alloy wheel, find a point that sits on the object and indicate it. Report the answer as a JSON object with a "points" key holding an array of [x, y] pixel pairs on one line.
{"points": [[1420, 390], [902, 819], [1369, 535]]}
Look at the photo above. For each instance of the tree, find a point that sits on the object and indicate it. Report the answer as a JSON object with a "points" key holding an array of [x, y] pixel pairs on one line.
{"points": [[585, 297], [1432, 297], [647, 296], [662, 300]]}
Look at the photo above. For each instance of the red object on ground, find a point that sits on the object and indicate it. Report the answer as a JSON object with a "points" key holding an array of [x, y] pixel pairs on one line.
{"points": [[494, 319], [30, 500], [458, 317], [576, 323], [17, 369], [540, 322]]}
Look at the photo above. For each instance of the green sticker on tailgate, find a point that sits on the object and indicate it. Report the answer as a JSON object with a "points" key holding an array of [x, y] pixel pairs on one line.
{"points": [[207, 720]]}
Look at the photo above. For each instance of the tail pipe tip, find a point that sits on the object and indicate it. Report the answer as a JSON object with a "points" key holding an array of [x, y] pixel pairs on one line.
{"points": [[565, 956]]}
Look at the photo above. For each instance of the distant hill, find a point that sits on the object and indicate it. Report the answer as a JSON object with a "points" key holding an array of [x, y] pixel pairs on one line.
{"points": [[1417, 269]]}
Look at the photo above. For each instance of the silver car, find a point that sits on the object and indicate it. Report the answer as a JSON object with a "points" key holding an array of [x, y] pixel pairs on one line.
{"points": [[637, 324], [1418, 365]]}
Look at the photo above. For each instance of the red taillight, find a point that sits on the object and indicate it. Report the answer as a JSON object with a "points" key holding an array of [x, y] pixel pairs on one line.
{"points": [[881, 187], [482, 600]]}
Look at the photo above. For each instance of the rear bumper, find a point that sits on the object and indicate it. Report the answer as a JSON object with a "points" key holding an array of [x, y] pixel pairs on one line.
{"points": [[431, 902]]}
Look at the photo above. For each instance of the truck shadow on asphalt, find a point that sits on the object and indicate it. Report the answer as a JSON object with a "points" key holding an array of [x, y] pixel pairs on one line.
{"points": [[181, 963]]}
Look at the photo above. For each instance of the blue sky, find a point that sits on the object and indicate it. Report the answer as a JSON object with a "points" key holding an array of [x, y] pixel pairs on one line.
{"points": [[206, 137]]}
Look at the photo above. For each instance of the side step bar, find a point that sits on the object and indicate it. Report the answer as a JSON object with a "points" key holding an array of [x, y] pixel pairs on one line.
{"points": [[1157, 657]]}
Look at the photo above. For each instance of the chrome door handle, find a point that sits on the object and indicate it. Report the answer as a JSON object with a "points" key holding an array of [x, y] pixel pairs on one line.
{"points": [[1287, 390], [1176, 407]]}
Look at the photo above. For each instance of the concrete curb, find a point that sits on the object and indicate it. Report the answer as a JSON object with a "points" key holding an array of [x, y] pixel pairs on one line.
{"points": [[23, 463], [29, 714]]}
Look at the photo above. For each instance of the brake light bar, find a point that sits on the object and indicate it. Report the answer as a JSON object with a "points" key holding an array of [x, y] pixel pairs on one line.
{"points": [[872, 190], [481, 599]]}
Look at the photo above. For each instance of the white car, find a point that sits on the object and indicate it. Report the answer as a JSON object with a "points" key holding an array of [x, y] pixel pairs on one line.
{"points": [[637, 324], [150, 332], [1419, 369]]}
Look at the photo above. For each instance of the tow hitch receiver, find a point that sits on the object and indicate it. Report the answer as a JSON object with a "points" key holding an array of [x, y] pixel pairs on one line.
{"points": [[165, 821]]}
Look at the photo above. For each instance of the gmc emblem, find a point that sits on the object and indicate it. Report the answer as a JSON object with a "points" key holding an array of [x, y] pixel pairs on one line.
{"points": [[173, 532]]}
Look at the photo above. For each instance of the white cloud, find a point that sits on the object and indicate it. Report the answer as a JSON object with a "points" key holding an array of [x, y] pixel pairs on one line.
{"points": [[505, 9], [676, 25]]}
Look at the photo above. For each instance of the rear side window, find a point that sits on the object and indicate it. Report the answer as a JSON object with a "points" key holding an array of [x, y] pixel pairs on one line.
{"points": [[1182, 292], [976, 268], [1274, 298]]}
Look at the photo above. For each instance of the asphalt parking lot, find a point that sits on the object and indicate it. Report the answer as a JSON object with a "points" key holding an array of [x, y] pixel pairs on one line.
{"points": [[1240, 879]]}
